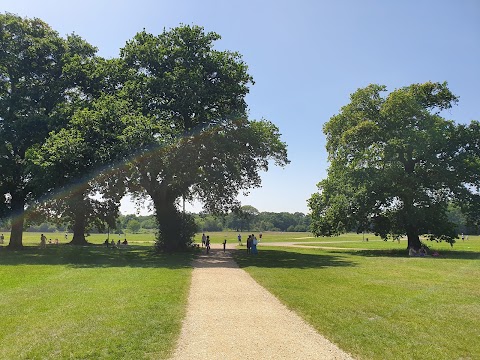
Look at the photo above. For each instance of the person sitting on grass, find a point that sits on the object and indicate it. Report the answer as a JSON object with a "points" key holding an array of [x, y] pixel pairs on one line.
{"points": [[423, 251], [412, 252], [125, 242]]}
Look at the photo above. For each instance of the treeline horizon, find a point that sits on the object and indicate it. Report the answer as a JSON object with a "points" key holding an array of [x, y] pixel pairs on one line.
{"points": [[250, 220], [246, 219]]}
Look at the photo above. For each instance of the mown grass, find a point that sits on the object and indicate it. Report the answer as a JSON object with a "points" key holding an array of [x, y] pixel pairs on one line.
{"points": [[380, 303], [67, 302], [97, 303], [267, 236]]}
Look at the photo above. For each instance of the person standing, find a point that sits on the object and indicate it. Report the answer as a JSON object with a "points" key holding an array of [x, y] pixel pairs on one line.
{"points": [[254, 245], [239, 239], [207, 243], [249, 243], [2, 238], [43, 241], [204, 239], [224, 244]]}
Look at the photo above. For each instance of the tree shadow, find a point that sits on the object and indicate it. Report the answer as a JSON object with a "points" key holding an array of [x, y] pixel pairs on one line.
{"points": [[95, 256], [402, 253], [289, 260], [215, 259]]}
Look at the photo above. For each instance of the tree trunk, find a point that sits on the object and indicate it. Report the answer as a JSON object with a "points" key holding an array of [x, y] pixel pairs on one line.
{"points": [[175, 229], [18, 209], [413, 239], [79, 225], [167, 220]]}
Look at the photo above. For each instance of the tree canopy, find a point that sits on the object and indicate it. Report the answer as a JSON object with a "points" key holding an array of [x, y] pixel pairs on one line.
{"points": [[396, 165], [166, 120], [37, 76], [202, 145]]}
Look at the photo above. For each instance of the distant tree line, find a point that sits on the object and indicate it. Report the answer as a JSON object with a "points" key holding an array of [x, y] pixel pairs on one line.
{"points": [[247, 218]]}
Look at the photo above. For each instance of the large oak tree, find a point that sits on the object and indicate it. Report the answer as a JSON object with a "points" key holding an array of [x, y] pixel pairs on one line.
{"points": [[35, 78], [396, 165], [205, 146]]}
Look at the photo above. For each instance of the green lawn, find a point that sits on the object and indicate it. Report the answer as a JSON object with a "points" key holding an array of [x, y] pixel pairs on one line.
{"points": [[67, 302], [267, 236], [97, 303], [380, 303]]}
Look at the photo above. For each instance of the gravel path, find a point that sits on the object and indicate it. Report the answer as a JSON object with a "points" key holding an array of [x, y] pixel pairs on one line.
{"points": [[230, 316]]}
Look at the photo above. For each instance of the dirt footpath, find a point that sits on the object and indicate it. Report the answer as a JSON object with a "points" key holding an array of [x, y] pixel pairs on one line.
{"points": [[230, 316]]}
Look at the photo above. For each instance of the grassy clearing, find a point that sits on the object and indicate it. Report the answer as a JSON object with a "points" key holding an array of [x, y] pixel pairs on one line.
{"points": [[67, 302], [379, 303], [268, 236]]}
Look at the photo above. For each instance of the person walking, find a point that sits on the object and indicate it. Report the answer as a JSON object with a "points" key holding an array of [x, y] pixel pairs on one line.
{"points": [[239, 239], [204, 239], [224, 244]]}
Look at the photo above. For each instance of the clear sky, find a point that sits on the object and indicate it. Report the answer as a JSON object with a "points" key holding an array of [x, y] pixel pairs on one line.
{"points": [[306, 57]]}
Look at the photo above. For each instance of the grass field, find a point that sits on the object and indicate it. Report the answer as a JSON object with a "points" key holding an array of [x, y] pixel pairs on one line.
{"points": [[379, 303], [368, 297], [66, 302]]}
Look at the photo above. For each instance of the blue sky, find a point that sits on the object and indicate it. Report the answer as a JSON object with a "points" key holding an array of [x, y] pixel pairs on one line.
{"points": [[306, 58]]}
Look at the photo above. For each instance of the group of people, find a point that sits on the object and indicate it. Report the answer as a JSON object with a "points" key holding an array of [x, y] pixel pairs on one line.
{"points": [[118, 244], [421, 252], [43, 241], [206, 242], [252, 243]]}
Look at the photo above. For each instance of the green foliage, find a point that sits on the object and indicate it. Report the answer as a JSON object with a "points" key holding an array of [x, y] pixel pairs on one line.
{"points": [[31, 87], [166, 120], [202, 146], [247, 218], [395, 165], [177, 233], [133, 226]]}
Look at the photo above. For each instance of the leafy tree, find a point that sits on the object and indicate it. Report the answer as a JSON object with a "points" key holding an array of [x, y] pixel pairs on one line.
{"points": [[31, 87], [242, 218], [148, 222], [203, 146], [133, 226], [80, 159], [396, 164]]}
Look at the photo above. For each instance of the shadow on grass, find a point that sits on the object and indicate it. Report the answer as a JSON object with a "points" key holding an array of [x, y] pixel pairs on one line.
{"points": [[401, 253], [94, 256], [289, 259]]}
